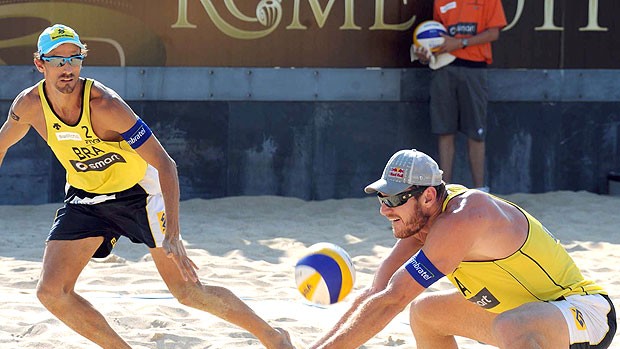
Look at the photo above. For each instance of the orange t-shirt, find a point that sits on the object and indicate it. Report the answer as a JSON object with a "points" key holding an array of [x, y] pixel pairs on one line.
{"points": [[466, 18]]}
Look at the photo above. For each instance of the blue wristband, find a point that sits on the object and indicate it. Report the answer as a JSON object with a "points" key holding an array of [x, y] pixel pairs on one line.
{"points": [[137, 134], [422, 270]]}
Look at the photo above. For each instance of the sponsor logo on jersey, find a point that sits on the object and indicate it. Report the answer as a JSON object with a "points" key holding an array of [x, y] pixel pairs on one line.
{"points": [[68, 136], [447, 7], [485, 299], [97, 164], [466, 29]]}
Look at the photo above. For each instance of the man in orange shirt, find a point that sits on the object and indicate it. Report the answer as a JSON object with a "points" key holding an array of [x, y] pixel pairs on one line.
{"points": [[459, 91]]}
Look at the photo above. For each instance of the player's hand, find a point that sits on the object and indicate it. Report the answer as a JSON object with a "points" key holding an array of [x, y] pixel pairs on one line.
{"points": [[176, 251]]}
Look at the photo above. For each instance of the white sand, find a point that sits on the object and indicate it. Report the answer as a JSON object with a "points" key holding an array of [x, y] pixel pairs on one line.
{"points": [[250, 245]]}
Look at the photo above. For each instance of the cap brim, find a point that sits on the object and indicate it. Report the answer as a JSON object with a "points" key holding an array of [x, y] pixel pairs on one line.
{"points": [[386, 187]]}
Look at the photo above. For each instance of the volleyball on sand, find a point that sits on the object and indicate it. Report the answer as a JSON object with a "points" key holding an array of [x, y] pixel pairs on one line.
{"points": [[325, 274], [427, 34]]}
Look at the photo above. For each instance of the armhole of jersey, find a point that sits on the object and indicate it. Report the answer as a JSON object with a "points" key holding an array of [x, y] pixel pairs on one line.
{"points": [[88, 85]]}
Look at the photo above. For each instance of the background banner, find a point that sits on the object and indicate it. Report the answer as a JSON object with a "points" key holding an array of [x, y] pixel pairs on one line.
{"points": [[554, 34]]}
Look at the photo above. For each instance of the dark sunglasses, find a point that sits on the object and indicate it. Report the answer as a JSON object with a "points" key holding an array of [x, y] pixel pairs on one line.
{"points": [[400, 198], [59, 61]]}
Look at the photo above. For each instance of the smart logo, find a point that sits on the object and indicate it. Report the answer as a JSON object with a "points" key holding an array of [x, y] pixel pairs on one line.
{"points": [[467, 29], [97, 164]]}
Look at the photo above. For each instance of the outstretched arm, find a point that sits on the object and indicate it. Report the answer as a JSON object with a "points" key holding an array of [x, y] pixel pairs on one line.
{"points": [[155, 154], [374, 313], [400, 253], [113, 118]]}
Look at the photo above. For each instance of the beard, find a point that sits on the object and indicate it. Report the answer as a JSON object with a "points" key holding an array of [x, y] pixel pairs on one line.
{"points": [[405, 230], [66, 87]]}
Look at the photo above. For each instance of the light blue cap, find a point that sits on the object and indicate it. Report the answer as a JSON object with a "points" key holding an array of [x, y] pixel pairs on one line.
{"points": [[57, 35]]}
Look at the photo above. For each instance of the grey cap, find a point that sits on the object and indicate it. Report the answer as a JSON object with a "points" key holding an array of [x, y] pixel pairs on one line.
{"points": [[404, 169]]}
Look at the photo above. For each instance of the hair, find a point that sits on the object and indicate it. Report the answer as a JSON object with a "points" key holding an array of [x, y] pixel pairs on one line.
{"points": [[439, 188], [83, 51]]}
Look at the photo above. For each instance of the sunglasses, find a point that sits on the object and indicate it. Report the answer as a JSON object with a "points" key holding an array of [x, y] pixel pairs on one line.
{"points": [[400, 198], [59, 61]]}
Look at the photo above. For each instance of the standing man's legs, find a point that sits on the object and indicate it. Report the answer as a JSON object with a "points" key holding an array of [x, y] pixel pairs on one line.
{"points": [[476, 161], [63, 261], [473, 102], [444, 113], [218, 301], [446, 155]]}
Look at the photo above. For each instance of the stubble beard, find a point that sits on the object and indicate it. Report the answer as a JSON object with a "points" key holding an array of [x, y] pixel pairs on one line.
{"points": [[412, 228]]}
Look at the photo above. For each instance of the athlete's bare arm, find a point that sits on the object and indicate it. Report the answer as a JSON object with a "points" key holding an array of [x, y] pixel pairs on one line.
{"points": [[21, 116], [110, 117]]}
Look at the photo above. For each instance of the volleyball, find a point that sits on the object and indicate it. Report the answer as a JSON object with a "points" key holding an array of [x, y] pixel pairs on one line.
{"points": [[325, 274], [427, 34]]}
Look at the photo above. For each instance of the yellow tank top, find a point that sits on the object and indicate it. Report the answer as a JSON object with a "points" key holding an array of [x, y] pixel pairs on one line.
{"points": [[92, 164], [541, 270]]}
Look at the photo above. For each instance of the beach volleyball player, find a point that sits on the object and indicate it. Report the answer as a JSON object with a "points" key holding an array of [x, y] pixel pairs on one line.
{"points": [[120, 182], [515, 286]]}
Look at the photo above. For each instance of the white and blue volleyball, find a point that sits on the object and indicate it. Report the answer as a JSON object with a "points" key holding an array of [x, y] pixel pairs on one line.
{"points": [[428, 34], [325, 274]]}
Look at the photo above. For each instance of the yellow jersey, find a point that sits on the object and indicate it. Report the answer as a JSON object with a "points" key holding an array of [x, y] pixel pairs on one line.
{"points": [[541, 270], [92, 164]]}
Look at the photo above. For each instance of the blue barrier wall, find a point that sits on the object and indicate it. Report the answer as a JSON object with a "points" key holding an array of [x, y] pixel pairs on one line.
{"points": [[325, 133]]}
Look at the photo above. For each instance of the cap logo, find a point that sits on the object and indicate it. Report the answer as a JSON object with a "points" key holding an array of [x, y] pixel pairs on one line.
{"points": [[58, 33], [397, 172]]}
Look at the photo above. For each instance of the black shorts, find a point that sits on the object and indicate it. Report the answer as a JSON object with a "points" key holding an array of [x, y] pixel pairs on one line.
{"points": [[132, 213]]}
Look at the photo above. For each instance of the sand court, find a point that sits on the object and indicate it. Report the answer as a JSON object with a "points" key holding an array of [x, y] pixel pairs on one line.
{"points": [[250, 245]]}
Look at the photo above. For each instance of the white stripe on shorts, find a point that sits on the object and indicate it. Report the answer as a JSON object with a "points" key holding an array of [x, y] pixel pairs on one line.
{"points": [[586, 317], [155, 209]]}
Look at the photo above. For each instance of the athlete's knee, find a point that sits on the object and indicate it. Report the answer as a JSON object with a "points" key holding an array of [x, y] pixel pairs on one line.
{"points": [[423, 311], [511, 332], [187, 293], [50, 293]]}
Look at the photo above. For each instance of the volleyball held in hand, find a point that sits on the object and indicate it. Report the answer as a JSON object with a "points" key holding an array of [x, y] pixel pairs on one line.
{"points": [[325, 274], [428, 34]]}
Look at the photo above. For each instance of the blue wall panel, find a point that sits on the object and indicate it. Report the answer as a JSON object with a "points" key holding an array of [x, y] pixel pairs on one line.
{"points": [[548, 130]]}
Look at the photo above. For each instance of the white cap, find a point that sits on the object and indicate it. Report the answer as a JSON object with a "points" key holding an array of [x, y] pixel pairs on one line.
{"points": [[407, 168]]}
